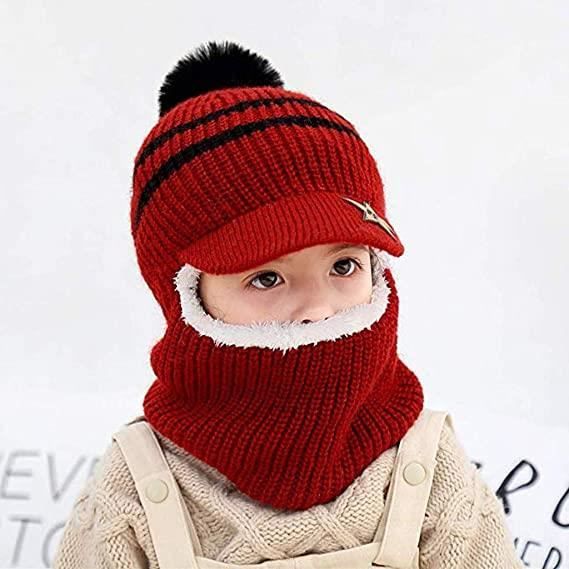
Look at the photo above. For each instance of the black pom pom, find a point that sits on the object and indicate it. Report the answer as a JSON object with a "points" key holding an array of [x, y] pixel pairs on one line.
{"points": [[215, 66]]}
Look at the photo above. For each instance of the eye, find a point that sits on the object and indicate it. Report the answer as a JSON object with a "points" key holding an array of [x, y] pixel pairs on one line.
{"points": [[266, 280], [343, 266]]}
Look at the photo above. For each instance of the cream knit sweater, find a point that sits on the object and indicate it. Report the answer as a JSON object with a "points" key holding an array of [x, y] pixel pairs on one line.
{"points": [[464, 526]]}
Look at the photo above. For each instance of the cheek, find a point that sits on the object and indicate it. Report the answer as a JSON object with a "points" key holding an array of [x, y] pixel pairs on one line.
{"points": [[350, 292], [357, 287], [248, 307], [260, 301], [239, 306], [216, 297]]}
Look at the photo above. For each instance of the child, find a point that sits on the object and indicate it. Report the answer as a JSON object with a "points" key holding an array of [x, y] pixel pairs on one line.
{"points": [[282, 428]]}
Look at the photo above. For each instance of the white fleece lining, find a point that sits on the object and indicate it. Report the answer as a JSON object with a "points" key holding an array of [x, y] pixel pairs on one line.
{"points": [[278, 335]]}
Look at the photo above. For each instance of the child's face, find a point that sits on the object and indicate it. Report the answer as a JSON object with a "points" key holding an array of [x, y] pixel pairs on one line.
{"points": [[307, 285]]}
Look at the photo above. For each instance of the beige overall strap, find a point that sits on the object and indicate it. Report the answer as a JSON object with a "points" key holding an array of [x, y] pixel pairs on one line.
{"points": [[170, 525], [400, 527]]}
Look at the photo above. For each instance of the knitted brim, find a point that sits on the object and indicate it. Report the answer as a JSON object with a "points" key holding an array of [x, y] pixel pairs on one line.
{"points": [[284, 226]]}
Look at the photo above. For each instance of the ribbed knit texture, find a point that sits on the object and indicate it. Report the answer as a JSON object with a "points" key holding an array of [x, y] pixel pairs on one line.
{"points": [[290, 430], [464, 526], [225, 181]]}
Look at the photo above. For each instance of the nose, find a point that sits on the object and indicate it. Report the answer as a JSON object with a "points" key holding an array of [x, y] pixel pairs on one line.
{"points": [[314, 301], [310, 314]]}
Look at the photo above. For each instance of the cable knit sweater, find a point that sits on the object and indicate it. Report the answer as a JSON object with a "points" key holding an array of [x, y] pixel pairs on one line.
{"points": [[464, 526]]}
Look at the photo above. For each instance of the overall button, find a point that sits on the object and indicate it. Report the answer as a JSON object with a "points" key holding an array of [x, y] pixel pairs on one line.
{"points": [[157, 490], [414, 473]]}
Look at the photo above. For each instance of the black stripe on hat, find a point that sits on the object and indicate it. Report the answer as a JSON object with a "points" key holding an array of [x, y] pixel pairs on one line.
{"points": [[176, 161], [241, 106]]}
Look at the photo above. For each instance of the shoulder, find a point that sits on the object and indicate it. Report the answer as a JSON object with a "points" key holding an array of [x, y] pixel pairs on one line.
{"points": [[115, 486], [464, 520], [108, 513], [110, 491], [106, 519], [452, 457], [459, 490], [454, 474]]}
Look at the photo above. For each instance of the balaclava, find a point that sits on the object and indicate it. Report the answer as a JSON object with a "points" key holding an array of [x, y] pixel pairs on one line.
{"points": [[238, 171]]}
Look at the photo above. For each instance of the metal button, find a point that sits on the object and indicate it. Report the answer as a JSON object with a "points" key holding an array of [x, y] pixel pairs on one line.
{"points": [[414, 473], [157, 490]]}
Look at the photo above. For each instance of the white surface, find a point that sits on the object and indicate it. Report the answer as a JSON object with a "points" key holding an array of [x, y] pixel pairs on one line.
{"points": [[464, 106]]}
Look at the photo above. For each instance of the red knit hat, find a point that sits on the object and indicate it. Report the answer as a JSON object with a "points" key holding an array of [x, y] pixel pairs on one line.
{"points": [[236, 172], [222, 168]]}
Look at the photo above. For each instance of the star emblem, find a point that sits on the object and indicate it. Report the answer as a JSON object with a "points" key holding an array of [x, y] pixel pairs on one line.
{"points": [[371, 215]]}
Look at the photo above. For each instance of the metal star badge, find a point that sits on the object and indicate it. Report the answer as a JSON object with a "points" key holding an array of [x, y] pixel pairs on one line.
{"points": [[371, 215]]}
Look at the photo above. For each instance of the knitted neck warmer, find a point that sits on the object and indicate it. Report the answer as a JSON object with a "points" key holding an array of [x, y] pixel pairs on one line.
{"points": [[291, 413]]}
